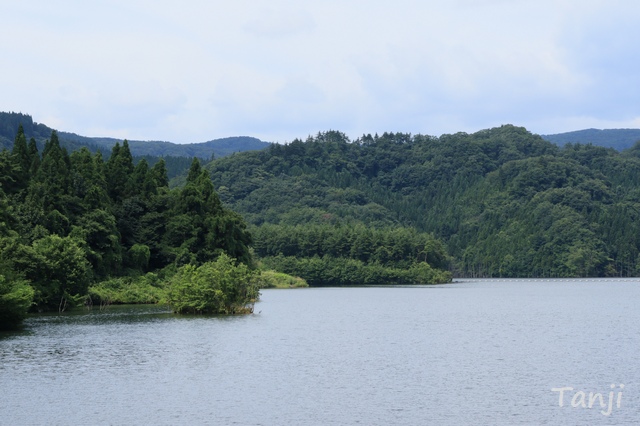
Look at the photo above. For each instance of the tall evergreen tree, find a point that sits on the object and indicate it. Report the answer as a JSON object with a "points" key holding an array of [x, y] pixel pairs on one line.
{"points": [[159, 174], [141, 182], [34, 156], [20, 152], [118, 171], [9, 173], [194, 171], [51, 186]]}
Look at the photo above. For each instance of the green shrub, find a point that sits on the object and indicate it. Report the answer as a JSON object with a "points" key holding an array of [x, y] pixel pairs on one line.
{"points": [[273, 279], [219, 287], [337, 271], [127, 290], [16, 296]]}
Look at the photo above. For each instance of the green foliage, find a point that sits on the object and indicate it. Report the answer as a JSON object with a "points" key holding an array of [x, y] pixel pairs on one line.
{"points": [[338, 271], [204, 150], [218, 287], [160, 175], [399, 247], [71, 221], [326, 254], [8, 173], [273, 279], [200, 228], [22, 158], [139, 255], [97, 228], [390, 208], [504, 202], [147, 288], [194, 171], [58, 270], [16, 297], [175, 154], [118, 172]]}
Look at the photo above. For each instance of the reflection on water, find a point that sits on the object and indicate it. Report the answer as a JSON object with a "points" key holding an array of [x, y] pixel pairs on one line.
{"points": [[474, 352]]}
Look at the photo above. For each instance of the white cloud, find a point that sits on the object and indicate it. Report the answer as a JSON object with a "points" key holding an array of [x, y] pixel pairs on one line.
{"points": [[278, 23], [198, 70]]}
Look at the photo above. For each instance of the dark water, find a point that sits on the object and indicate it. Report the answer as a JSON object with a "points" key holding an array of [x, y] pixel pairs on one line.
{"points": [[475, 352]]}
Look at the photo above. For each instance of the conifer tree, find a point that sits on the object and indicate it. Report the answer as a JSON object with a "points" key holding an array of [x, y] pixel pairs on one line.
{"points": [[21, 155], [194, 171], [118, 171], [34, 156], [159, 174], [51, 187]]}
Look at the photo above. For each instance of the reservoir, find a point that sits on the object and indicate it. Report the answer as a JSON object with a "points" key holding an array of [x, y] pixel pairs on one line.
{"points": [[474, 352]]}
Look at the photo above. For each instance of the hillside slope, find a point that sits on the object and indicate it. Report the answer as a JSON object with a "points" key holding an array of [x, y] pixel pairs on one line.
{"points": [[505, 202], [9, 123], [619, 139]]}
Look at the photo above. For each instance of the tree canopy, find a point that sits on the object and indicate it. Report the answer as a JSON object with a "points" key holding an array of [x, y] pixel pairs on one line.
{"points": [[504, 202], [390, 208], [68, 221]]}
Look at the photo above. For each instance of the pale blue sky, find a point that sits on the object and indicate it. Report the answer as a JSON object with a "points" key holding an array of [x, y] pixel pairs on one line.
{"points": [[191, 70]]}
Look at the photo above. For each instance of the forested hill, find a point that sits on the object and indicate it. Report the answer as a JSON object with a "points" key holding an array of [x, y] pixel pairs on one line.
{"points": [[71, 222], [505, 202], [76, 229], [619, 139], [9, 123], [204, 150]]}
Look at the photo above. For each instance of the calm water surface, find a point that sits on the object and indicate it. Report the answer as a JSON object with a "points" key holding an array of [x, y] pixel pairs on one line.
{"points": [[474, 352]]}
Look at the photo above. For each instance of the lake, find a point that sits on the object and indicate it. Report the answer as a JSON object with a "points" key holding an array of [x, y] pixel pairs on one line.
{"points": [[473, 352]]}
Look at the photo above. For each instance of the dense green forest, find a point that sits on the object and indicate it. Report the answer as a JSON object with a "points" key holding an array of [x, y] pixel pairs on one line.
{"points": [[177, 157], [505, 202], [396, 208], [78, 229], [69, 221]]}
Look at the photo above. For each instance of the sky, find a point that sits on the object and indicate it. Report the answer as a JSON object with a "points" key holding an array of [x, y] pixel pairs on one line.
{"points": [[191, 71]]}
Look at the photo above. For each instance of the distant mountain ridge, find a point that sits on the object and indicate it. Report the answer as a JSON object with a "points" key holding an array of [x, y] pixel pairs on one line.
{"points": [[10, 121], [619, 139]]}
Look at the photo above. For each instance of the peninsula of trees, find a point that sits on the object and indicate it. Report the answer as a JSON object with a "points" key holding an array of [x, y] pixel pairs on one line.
{"points": [[69, 222]]}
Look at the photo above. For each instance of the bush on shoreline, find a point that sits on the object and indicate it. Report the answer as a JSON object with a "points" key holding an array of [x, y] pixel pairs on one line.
{"points": [[218, 287], [145, 289], [16, 296], [274, 279]]}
